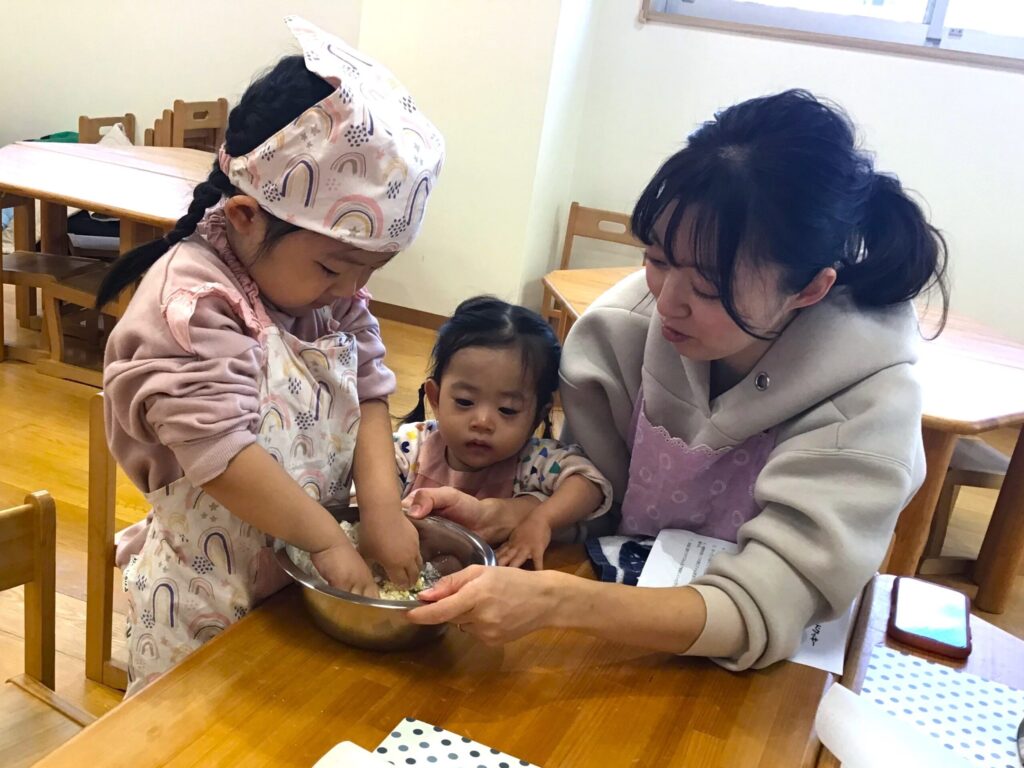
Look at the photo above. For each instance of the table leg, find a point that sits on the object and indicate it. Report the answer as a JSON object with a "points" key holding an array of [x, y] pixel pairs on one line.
{"points": [[25, 240], [916, 519], [1002, 550], [53, 237]]}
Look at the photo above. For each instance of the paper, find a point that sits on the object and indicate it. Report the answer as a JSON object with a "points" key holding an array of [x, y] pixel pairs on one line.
{"points": [[678, 557], [862, 735], [349, 755], [413, 742], [963, 713]]}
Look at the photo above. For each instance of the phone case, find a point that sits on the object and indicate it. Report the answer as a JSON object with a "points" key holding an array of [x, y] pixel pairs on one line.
{"points": [[927, 643]]}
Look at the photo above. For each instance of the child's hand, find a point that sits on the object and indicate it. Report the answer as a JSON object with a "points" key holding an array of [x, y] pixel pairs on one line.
{"points": [[343, 568], [393, 542], [528, 541]]}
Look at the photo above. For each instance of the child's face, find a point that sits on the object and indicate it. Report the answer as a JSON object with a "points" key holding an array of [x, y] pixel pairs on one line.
{"points": [[485, 408], [303, 270], [693, 317]]}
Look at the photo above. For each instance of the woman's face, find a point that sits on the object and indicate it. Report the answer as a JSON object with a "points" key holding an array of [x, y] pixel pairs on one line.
{"points": [[693, 318]]}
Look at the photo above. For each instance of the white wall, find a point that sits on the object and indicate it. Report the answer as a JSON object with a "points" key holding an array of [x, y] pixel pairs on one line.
{"points": [[64, 58], [480, 72], [953, 133], [563, 116]]}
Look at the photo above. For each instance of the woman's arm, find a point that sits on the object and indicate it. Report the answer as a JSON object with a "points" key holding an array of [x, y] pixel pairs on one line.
{"points": [[503, 604]]}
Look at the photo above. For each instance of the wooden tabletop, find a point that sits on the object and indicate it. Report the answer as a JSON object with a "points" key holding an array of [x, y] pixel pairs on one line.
{"points": [[972, 377], [147, 185], [996, 655], [274, 690]]}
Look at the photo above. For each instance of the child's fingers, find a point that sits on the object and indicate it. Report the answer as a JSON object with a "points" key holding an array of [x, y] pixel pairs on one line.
{"points": [[517, 557], [538, 558]]}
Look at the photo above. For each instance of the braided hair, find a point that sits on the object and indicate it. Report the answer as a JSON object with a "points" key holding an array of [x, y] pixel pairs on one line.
{"points": [[268, 104]]}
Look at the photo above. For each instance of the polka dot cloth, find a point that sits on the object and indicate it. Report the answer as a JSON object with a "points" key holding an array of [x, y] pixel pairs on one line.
{"points": [[413, 742], [973, 717]]}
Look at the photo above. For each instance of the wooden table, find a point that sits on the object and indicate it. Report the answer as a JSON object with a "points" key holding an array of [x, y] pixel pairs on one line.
{"points": [[996, 655], [274, 690], [147, 188], [972, 381]]}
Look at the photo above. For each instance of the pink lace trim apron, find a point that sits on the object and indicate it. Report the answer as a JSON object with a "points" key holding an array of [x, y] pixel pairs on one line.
{"points": [[694, 488]]}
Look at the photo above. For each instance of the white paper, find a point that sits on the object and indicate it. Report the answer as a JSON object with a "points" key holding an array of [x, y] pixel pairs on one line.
{"points": [[678, 557], [349, 755], [861, 735]]}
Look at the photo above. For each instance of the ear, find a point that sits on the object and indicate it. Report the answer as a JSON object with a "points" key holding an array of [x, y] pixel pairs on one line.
{"points": [[246, 217], [433, 392], [816, 290]]}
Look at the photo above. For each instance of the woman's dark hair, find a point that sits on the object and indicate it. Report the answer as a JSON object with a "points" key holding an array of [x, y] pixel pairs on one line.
{"points": [[779, 180], [268, 104], [485, 321]]}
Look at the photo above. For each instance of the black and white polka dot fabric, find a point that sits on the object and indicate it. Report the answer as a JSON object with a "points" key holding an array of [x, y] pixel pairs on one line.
{"points": [[415, 743], [969, 715]]}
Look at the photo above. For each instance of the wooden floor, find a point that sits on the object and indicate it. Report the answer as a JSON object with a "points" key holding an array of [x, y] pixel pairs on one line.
{"points": [[43, 445]]}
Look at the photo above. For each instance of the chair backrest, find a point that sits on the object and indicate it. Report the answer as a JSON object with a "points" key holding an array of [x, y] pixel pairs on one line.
{"points": [[28, 555], [595, 224], [162, 130], [199, 124], [99, 609], [89, 128]]}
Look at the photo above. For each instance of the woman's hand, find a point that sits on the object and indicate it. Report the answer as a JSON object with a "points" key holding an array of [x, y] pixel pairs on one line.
{"points": [[492, 519], [394, 542], [495, 604], [528, 541], [343, 568]]}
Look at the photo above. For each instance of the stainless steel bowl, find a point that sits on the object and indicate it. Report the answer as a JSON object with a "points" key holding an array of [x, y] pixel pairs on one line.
{"points": [[381, 624]]}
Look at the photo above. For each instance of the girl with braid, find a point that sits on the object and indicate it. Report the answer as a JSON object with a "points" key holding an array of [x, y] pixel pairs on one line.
{"points": [[245, 385]]}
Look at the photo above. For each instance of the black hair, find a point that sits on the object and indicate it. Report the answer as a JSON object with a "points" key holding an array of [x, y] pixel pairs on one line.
{"points": [[485, 321], [779, 180], [272, 101]]}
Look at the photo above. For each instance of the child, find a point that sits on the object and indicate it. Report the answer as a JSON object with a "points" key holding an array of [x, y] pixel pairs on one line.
{"points": [[494, 373], [755, 383], [245, 386]]}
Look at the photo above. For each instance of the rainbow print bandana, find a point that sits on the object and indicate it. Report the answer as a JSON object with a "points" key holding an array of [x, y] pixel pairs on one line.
{"points": [[357, 166]]}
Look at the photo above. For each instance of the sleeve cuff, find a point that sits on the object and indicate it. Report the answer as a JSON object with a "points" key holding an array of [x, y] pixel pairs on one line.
{"points": [[724, 634]]}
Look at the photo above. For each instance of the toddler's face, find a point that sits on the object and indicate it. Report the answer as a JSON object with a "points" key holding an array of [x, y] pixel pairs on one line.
{"points": [[485, 407]]}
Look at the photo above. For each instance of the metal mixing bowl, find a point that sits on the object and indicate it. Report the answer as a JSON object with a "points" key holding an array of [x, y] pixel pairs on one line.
{"points": [[381, 624]]}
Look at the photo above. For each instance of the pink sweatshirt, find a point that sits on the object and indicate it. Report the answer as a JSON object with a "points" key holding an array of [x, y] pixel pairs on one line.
{"points": [[171, 411]]}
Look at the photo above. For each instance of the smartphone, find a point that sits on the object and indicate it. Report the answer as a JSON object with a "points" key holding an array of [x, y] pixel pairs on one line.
{"points": [[933, 618]]}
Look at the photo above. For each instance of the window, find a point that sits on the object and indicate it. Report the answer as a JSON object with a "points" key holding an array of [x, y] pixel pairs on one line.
{"points": [[983, 31]]}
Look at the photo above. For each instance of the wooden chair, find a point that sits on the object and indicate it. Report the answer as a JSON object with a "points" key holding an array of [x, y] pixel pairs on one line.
{"points": [[89, 128], [31, 270], [99, 611], [199, 124], [33, 719], [78, 289], [160, 134], [975, 464], [594, 224]]}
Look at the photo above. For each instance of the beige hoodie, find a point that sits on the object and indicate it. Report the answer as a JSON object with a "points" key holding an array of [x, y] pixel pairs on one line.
{"points": [[847, 412]]}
